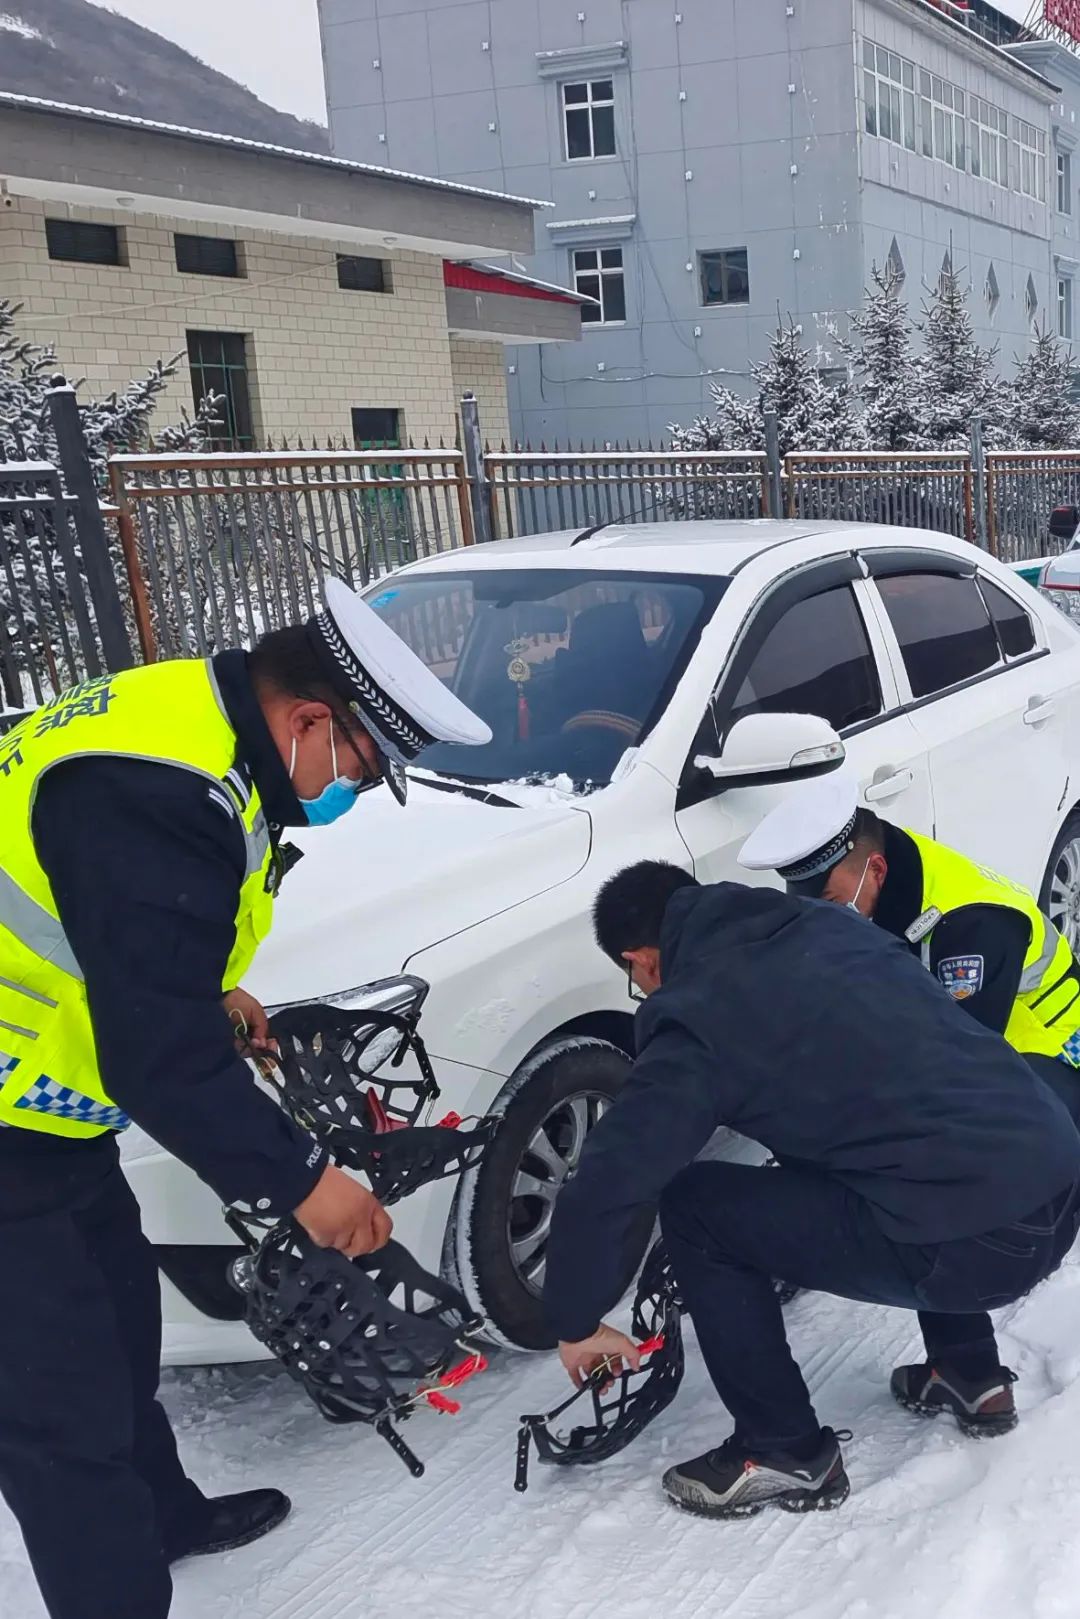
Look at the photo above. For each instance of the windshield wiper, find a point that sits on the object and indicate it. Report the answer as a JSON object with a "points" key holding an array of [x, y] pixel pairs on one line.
{"points": [[484, 794]]}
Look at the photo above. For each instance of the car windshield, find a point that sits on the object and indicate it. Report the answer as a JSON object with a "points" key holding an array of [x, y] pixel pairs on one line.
{"points": [[569, 668]]}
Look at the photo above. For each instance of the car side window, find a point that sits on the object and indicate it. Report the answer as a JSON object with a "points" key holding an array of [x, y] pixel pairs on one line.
{"points": [[943, 628], [816, 659], [1015, 630]]}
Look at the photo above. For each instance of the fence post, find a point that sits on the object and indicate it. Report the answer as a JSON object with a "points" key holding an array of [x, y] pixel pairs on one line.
{"points": [[473, 446], [89, 526], [772, 453], [978, 473]]}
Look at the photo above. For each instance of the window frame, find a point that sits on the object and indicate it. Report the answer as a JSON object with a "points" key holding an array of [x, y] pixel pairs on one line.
{"points": [[777, 596], [897, 93], [386, 284], [988, 141], [589, 106], [229, 441], [1029, 157], [722, 253], [235, 274], [602, 273], [1038, 646], [1063, 177], [88, 228], [890, 561], [1065, 307]]}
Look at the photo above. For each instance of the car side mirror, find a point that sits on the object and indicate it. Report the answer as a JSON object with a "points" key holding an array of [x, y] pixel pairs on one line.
{"points": [[764, 749]]}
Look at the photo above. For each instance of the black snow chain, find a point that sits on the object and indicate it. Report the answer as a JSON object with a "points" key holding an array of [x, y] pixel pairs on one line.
{"points": [[367, 1122], [620, 1406], [369, 1339]]}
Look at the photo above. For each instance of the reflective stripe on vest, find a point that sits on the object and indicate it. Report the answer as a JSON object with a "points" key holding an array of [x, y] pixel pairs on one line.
{"points": [[1046, 1012], [167, 713]]}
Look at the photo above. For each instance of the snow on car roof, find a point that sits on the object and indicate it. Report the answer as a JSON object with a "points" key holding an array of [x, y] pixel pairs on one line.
{"points": [[703, 546]]}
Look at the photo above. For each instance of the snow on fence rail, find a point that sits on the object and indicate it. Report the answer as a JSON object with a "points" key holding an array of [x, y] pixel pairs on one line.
{"points": [[1022, 489], [532, 491], [915, 490], [221, 547]]}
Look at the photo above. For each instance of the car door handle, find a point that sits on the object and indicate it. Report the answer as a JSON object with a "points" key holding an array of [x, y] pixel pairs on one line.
{"points": [[1039, 709], [888, 783]]}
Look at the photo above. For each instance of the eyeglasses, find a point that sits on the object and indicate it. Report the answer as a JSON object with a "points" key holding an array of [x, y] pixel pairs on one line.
{"points": [[368, 780], [632, 990]]}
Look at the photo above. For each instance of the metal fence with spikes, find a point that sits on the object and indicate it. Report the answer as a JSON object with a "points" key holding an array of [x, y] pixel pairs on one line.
{"points": [[221, 547]]}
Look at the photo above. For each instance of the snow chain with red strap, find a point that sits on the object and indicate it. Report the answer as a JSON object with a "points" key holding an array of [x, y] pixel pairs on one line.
{"points": [[369, 1339]]}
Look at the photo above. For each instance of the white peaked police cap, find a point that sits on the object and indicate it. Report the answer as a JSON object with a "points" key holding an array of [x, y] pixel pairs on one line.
{"points": [[391, 691], [808, 833]]}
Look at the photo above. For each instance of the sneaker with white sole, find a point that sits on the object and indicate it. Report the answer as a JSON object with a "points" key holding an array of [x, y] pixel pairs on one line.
{"points": [[983, 1407], [732, 1482]]}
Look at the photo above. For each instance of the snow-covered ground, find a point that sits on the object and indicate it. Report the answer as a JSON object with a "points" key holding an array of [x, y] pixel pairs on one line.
{"points": [[937, 1526]]}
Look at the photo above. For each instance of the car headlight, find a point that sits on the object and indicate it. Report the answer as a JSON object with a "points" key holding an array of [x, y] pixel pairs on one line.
{"points": [[403, 996], [1066, 600]]}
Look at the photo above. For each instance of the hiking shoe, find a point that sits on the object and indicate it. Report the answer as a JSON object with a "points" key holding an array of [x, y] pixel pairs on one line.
{"points": [[983, 1407], [732, 1482], [232, 1521]]}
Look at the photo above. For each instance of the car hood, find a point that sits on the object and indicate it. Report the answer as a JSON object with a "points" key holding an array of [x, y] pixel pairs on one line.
{"points": [[385, 882]]}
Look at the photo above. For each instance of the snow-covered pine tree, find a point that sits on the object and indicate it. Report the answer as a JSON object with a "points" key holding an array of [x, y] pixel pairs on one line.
{"points": [[882, 361], [119, 422], [956, 378], [1045, 414]]}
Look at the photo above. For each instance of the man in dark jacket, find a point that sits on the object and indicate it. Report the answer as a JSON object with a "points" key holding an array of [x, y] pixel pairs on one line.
{"points": [[921, 1167]]}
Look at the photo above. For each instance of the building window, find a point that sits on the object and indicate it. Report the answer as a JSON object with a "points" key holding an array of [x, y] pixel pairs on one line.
{"points": [[992, 292], [944, 127], [598, 276], [77, 242], [218, 362], [1029, 152], [1064, 183], [1031, 300], [376, 429], [206, 255], [589, 119], [989, 142], [725, 277], [1064, 302], [363, 275], [889, 91]]}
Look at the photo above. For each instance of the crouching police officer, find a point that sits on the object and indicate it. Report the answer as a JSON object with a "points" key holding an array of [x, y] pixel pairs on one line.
{"points": [[981, 935], [140, 825]]}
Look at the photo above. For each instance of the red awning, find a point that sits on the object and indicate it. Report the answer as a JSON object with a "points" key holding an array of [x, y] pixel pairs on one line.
{"points": [[470, 279]]}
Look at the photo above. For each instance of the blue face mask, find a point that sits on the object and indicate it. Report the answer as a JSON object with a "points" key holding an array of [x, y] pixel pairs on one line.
{"points": [[336, 799]]}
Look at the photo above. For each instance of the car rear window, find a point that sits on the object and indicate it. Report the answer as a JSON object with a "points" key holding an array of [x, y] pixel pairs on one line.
{"points": [[1015, 630], [943, 628]]}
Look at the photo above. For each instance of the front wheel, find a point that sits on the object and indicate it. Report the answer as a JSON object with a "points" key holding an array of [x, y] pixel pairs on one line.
{"points": [[505, 1206], [1059, 896]]}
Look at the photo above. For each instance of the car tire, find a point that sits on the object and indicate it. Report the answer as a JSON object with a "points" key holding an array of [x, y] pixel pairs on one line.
{"points": [[553, 1098], [1059, 896]]}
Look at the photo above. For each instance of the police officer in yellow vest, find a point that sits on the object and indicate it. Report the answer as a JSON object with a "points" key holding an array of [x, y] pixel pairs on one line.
{"points": [[985, 940], [141, 820], [981, 934]]}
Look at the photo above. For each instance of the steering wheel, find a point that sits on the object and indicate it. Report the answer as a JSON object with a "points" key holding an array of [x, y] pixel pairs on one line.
{"points": [[604, 719]]}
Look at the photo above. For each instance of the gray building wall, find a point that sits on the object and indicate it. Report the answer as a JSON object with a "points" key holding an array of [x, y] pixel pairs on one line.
{"points": [[738, 125]]}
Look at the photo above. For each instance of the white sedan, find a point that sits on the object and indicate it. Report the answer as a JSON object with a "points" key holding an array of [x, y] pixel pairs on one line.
{"points": [[650, 692]]}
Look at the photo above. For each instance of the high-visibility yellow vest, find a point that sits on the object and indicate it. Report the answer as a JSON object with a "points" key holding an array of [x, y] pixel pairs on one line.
{"points": [[1046, 1012], [166, 713]]}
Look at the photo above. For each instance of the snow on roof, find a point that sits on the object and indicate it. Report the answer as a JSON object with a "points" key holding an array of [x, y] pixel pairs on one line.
{"points": [[10, 24], [530, 281], [9, 98]]}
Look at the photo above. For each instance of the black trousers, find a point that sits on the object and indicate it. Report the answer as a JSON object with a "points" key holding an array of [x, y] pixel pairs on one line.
{"points": [[88, 1461], [730, 1229]]}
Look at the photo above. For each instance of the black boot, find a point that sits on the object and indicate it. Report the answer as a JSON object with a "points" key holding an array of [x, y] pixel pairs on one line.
{"points": [[983, 1407], [234, 1520], [731, 1482]]}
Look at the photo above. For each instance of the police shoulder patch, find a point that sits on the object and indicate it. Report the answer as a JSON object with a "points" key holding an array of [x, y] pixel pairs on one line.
{"points": [[961, 976]]}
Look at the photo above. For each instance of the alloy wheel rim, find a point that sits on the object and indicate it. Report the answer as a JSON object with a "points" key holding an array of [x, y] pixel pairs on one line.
{"points": [[549, 1160], [1064, 901]]}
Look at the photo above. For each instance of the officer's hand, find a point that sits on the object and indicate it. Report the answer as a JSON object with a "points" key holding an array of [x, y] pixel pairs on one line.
{"points": [[250, 1021], [342, 1214], [606, 1344]]}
